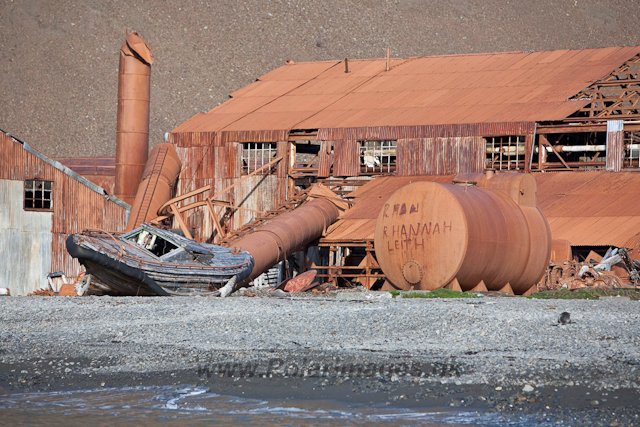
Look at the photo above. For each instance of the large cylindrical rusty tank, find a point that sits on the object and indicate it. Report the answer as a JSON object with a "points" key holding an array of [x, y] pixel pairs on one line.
{"points": [[156, 187], [274, 241], [428, 234], [132, 133]]}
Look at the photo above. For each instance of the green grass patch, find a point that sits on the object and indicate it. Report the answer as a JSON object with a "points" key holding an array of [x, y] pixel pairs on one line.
{"points": [[586, 293], [438, 293]]}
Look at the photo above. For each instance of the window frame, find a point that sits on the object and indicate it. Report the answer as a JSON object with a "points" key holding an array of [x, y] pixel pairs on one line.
{"points": [[33, 199]]}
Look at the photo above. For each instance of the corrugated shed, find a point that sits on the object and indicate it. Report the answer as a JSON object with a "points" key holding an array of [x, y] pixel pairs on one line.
{"points": [[37, 237], [436, 90], [591, 208]]}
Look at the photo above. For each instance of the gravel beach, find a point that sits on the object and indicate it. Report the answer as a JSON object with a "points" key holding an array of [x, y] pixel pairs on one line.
{"points": [[497, 354]]}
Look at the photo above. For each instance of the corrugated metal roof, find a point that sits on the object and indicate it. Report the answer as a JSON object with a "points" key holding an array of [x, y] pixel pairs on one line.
{"points": [[591, 208], [449, 89], [585, 208]]}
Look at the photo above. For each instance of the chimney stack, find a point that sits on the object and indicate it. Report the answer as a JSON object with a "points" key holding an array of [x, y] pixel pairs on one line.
{"points": [[132, 133]]}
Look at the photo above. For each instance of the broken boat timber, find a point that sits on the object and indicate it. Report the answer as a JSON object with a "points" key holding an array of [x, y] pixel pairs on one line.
{"points": [[149, 261]]}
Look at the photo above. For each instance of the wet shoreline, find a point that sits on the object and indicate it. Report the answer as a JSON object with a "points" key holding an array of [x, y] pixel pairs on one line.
{"points": [[364, 348]]}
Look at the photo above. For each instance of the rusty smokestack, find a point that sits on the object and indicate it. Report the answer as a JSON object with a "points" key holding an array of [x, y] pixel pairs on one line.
{"points": [[132, 133]]}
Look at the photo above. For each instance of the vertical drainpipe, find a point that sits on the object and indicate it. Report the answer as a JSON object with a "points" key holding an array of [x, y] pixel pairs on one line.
{"points": [[132, 133]]}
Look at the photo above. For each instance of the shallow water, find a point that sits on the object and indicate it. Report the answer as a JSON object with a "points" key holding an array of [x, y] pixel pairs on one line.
{"points": [[198, 406]]}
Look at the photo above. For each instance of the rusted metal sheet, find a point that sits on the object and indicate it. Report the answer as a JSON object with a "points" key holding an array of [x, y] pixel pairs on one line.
{"points": [[346, 158], [615, 145], [560, 251], [156, 188], [432, 131], [440, 156], [13, 159], [221, 166], [429, 234], [325, 159], [132, 134], [26, 236], [100, 170], [269, 135], [591, 208], [282, 170], [259, 193], [192, 139]]}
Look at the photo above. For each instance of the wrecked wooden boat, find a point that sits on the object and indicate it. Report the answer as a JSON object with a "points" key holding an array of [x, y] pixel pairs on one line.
{"points": [[149, 261]]}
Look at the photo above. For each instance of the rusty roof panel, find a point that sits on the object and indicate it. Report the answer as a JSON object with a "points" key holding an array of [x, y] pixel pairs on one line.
{"points": [[591, 208], [451, 89], [268, 121], [299, 70], [270, 88]]}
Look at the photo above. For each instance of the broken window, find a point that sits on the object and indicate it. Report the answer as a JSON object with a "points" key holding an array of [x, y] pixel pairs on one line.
{"points": [[38, 194], [307, 156], [378, 156], [505, 152], [257, 154]]}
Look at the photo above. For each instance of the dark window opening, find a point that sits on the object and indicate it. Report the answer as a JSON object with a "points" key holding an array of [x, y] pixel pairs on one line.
{"points": [[38, 194], [307, 156]]}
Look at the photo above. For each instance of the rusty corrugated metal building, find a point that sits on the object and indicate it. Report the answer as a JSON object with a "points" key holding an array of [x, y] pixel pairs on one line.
{"points": [[345, 122], [41, 203]]}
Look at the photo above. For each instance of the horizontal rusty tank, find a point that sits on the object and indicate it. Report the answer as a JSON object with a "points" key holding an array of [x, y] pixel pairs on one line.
{"points": [[485, 229]]}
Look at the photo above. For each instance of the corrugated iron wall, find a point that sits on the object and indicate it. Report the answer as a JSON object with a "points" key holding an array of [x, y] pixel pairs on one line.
{"points": [[220, 167], [325, 159], [75, 207], [432, 131], [440, 156], [346, 161], [26, 241]]}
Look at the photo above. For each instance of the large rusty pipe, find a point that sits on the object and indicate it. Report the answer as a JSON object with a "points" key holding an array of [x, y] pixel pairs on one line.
{"points": [[132, 132], [274, 241], [428, 234], [156, 187]]}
